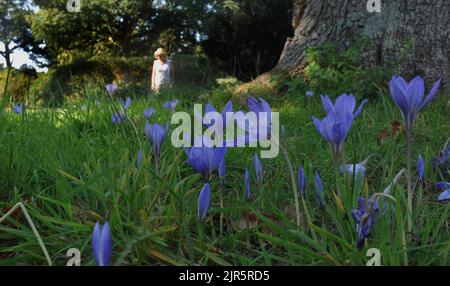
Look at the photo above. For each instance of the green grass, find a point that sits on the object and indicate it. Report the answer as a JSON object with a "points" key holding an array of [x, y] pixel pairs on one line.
{"points": [[73, 168]]}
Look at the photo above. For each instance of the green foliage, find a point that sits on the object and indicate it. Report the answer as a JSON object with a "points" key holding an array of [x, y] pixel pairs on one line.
{"points": [[15, 32], [330, 71], [132, 75], [20, 83], [245, 38]]}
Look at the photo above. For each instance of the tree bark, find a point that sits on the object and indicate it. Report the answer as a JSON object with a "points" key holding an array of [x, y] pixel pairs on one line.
{"points": [[423, 25]]}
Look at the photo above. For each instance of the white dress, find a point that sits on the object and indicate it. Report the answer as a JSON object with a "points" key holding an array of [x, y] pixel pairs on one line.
{"points": [[162, 73]]}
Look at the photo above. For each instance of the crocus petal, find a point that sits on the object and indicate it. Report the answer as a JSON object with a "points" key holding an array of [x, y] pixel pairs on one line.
{"points": [[398, 88], [148, 113], [358, 112], [444, 196], [345, 104], [415, 93], [431, 94], [319, 189], [327, 104], [301, 180], [209, 108], [248, 193], [96, 238], [421, 168], [258, 168], [106, 244], [253, 104], [204, 200]]}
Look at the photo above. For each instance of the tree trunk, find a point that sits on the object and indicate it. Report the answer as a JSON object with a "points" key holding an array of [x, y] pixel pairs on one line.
{"points": [[7, 55], [421, 24]]}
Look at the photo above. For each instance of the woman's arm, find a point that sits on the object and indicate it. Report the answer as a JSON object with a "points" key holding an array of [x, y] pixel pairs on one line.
{"points": [[153, 76]]}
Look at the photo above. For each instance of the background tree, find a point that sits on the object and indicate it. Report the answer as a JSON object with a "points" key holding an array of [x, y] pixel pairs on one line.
{"points": [[15, 33], [108, 27], [411, 36], [245, 38]]}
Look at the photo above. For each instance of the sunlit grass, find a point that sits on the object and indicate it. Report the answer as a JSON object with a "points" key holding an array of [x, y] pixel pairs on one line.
{"points": [[73, 167]]}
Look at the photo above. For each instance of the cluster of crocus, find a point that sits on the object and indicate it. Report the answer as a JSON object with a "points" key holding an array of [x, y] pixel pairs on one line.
{"points": [[364, 216], [171, 105], [102, 244], [204, 201], [336, 125], [18, 108], [156, 134], [445, 195], [410, 97]]}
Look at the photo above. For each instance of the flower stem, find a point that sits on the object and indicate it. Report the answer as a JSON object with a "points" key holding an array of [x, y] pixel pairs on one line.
{"points": [[336, 170], [408, 176]]}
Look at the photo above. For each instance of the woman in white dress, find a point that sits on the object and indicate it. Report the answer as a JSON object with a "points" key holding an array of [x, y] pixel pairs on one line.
{"points": [[163, 71]]}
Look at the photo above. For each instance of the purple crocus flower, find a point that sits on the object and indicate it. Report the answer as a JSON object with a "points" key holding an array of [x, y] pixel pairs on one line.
{"points": [[118, 117], [319, 189], [101, 244], [125, 104], [421, 168], [210, 108], [301, 180], [248, 193], [205, 160], [310, 94], [344, 105], [445, 195], [18, 108], [364, 216], [336, 125], [409, 97], [204, 201], [359, 170], [140, 158], [170, 105], [111, 88], [149, 112], [258, 168], [261, 106], [156, 135]]}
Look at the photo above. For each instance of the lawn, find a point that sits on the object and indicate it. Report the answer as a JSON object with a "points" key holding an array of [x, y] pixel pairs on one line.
{"points": [[72, 166]]}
